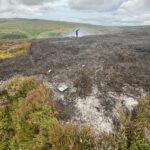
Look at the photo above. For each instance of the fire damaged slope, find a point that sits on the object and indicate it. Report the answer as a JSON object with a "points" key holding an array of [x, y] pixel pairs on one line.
{"points": [[92, 77]]}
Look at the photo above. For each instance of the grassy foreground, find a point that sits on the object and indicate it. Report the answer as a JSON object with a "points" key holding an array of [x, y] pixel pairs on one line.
{"points": [[29, 121]]}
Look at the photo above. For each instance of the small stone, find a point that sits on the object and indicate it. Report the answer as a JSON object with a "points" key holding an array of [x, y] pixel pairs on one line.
{"points": [[62, 87], [49, 71]]}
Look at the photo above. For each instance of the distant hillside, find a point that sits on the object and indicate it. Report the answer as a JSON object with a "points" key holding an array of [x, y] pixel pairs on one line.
{"points": [[33, 28]]}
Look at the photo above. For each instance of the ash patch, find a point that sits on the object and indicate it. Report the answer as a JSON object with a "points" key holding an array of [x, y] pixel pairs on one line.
{"points": [[102, 114]]}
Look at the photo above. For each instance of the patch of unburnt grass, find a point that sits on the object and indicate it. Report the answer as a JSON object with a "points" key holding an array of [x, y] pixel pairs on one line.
{"points": [[10, 49]]}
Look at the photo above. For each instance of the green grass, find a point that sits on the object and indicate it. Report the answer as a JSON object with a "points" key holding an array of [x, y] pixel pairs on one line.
{"points": [[34, 28]]}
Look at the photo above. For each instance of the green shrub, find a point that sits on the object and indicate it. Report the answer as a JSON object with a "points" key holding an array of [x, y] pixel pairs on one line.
{"points": [[25, 114], [28, 121], [31, 120], [69, 137], [137, 128], [143, 112]]}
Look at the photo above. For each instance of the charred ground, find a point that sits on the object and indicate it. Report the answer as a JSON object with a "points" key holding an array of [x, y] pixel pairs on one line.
{"points": [[112, 68], [125, 55]]}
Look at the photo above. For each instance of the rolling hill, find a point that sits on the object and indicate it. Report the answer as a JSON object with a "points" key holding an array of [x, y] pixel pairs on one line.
{"points": [[33, 28]]}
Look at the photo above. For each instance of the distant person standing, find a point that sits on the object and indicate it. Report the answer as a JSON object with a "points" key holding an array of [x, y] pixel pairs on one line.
{"points": [[77, 33]]}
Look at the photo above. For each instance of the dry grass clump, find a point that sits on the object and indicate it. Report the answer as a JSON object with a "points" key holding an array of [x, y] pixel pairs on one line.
{"points": [[9, 49]]}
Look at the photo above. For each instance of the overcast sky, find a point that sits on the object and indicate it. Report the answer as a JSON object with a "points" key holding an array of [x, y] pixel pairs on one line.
{"points": [[104, 12]]}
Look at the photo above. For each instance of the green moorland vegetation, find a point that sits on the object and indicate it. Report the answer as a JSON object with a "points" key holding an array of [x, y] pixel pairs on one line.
{"points": [[34, 28], [29, 121], [28, 29]]}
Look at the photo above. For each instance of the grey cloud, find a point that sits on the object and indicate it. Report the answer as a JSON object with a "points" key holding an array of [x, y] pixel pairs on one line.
{"points": [[94, 4], [34, 2]]}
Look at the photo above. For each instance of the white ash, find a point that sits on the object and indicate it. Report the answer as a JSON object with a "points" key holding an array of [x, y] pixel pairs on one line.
{"points": [[90, 112]]}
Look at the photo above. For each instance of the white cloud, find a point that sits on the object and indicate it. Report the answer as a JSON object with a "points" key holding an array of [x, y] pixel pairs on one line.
{"points": [[136, 6], [106, 12], [147, 22]]}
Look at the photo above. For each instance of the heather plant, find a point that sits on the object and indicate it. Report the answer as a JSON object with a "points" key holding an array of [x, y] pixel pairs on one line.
{"points": [[25, 114], [141, 125], [69, 137], [29, 121]]}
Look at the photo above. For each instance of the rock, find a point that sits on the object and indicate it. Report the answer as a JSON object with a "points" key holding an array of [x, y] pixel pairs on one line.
{"points": [[62, 87]]}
